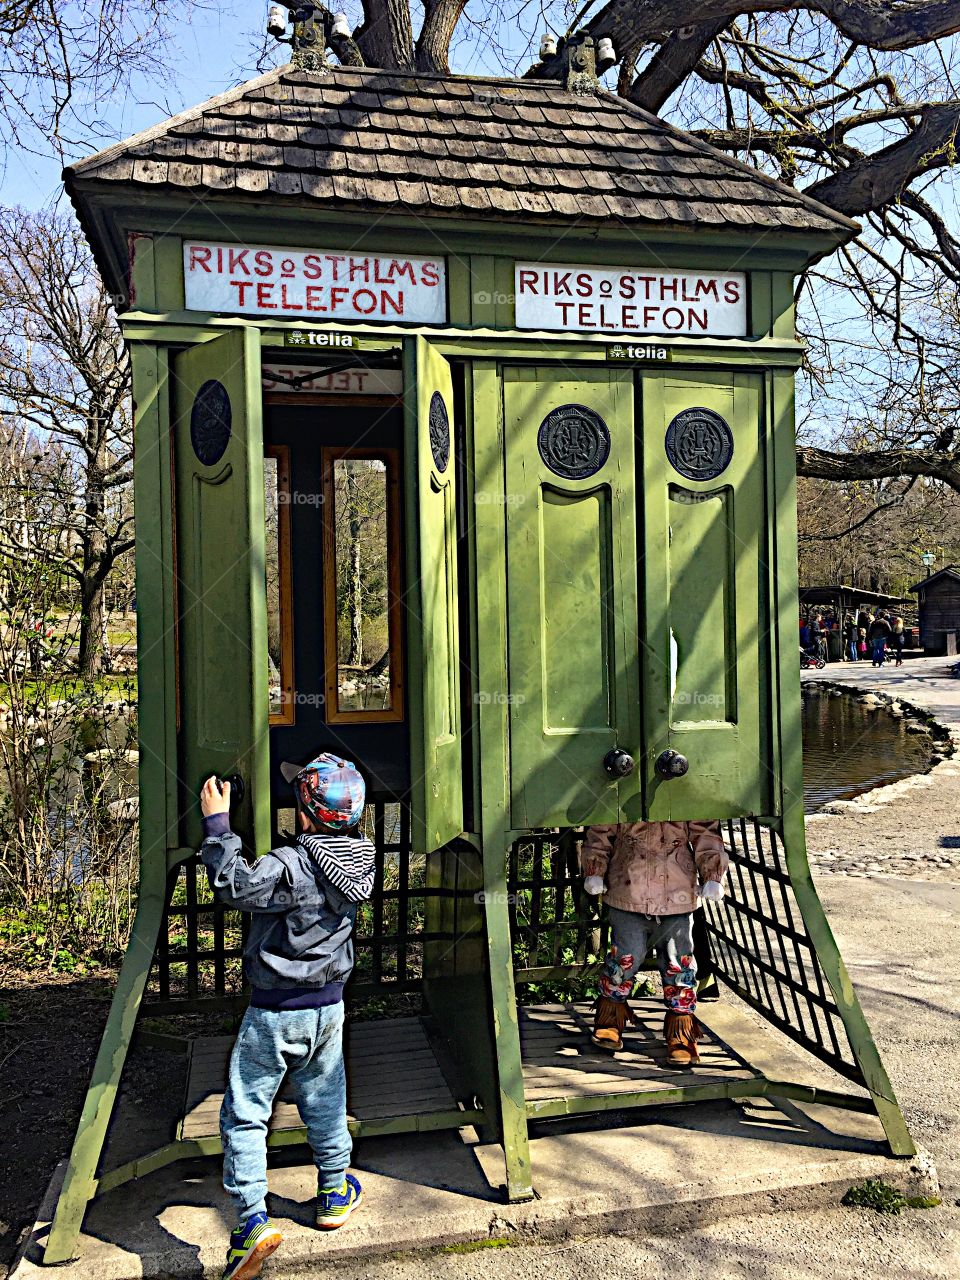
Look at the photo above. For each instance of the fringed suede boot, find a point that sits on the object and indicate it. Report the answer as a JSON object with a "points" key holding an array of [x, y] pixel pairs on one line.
{"points": [[608, 1024], [681, 1032]]}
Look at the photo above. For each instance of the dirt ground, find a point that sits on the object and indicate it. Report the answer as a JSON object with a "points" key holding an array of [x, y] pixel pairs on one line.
{"points": [[50, 1028]]}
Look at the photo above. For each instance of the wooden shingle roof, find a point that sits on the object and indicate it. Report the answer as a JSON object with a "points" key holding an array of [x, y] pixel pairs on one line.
{"points": [[450, 146]]}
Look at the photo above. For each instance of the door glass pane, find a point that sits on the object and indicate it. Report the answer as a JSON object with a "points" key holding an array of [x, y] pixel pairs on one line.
{"points": [[276, 505], [272, 511], [363, 571]]}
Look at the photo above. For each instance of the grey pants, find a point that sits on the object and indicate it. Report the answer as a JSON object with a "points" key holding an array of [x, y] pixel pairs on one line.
{"points": [[633, 933]]}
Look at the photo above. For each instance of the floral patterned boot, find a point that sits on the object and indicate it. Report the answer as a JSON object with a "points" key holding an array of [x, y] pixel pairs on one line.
{"points": [[612, 1010]]}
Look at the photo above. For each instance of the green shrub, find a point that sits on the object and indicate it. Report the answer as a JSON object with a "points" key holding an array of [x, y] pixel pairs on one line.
{"points": [[878, 1195]]}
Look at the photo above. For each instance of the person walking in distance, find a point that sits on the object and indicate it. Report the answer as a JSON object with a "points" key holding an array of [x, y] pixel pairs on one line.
{"points": [[880, 633], [898, 640]]}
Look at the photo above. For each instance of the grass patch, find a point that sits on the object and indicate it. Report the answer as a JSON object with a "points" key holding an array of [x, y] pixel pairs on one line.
{"points": [[474, 1246], [879, 1196], [112, 686]]}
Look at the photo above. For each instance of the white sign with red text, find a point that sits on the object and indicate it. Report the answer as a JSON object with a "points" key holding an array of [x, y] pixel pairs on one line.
{"points": [[314, 284], [631, 300]]}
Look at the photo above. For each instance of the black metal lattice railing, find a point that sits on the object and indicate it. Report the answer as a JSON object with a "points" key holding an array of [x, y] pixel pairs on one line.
{"points": [[762, 949], [556, 928]]}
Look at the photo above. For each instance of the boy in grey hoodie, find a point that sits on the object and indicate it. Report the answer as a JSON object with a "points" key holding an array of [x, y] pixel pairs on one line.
{"points": [[303, 898]]}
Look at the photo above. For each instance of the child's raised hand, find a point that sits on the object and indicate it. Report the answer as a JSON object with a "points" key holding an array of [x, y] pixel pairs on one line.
{"points": [[594, 885], [711, 890], [214, 797]]}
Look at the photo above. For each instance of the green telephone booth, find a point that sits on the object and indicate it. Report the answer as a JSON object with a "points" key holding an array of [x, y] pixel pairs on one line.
{"points": [[538, 346]]}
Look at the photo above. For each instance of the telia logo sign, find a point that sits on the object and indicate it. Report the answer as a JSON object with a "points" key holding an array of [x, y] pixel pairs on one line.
{"points": [[631, 301], [313, 284]]}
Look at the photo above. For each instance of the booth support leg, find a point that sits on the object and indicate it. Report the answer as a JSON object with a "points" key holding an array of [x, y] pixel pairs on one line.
{"points": [[506, 1029], [80, 1184], [858, 1032]]}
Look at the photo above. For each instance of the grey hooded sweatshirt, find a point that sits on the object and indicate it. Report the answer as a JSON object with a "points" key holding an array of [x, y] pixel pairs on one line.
{"points": [[299, 951]]}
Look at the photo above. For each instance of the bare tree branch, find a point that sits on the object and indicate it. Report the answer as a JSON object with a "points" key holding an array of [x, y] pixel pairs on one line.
{"points": [[670, 66], [877, 464], [879, 179]]}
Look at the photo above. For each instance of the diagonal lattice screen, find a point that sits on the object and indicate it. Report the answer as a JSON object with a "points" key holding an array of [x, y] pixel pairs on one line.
{"points": [[757, 938], [762, 949]]}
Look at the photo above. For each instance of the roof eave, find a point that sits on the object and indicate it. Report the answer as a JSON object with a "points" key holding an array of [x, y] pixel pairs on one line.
{"points": [[103, 206]]}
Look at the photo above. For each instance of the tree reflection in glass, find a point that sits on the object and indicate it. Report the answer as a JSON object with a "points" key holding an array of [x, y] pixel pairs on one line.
{"points": [[362, 584]]}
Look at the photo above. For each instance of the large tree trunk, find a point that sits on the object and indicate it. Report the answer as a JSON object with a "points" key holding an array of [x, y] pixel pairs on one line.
{"points": [[93, 621], [440, 19], [92, 605], [385, 38]]}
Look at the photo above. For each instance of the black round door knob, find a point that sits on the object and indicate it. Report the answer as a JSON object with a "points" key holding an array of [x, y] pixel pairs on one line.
{"points": [[671, 764], [618, 763], [237, 788]]}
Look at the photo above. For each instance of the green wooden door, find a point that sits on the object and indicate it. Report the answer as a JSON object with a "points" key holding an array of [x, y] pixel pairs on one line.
{"points": [[571, 592], [433, 658], [703, 573], [221, 591]]}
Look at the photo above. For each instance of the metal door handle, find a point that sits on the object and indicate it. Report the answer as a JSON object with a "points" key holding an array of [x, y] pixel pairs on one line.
{"points": [[671, 764], [618, 763], [237, 788]]}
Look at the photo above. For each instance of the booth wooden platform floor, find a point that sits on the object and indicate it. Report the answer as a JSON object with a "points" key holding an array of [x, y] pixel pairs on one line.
{"points": [[394, 1073]]}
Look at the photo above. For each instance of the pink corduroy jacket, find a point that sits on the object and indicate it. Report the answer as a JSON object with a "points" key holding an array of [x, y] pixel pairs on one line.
{"points": [[654, 867]]}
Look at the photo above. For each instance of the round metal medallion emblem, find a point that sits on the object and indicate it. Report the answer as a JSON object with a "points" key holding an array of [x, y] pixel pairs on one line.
{"points": [[699, 444], [574, 441], [211, 420], [439, 432]]}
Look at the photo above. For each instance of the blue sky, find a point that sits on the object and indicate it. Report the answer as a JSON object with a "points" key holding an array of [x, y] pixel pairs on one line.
{"points": [[211, 53], [215, 50]]}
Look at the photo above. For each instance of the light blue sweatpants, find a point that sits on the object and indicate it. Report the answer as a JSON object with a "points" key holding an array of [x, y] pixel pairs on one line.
{"points": [[307, 1043]]}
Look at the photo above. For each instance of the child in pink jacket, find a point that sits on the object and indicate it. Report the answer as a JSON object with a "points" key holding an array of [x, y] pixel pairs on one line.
{"points": [[653, 874]]}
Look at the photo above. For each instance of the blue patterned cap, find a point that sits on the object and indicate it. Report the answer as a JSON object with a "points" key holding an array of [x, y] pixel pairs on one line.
{"points": [[330, 790]]}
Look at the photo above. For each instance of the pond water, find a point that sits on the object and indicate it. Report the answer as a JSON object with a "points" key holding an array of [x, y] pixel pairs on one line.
{"points": [[849, 748]]}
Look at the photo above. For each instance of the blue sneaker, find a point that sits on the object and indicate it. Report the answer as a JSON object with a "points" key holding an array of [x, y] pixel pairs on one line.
{"points": [[335, 1207], [250, 1246]]}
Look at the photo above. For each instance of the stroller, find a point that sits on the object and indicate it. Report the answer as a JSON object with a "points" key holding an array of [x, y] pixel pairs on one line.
{"points": [[812, 658]]}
